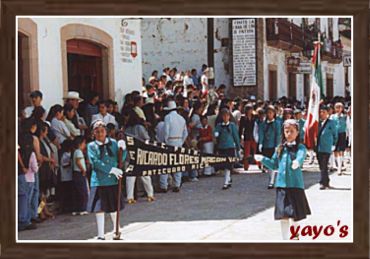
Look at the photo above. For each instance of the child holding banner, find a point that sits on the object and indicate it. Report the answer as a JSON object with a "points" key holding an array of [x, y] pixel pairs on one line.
{"points": [[228, 143], [291, 201], [103, 157]]}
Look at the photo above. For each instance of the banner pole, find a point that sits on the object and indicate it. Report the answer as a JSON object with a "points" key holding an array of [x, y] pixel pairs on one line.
{"points": [[117, 234]]}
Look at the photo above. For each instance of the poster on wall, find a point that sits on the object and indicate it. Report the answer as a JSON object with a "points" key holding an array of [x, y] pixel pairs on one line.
{"points": [[244, 52], [128, 46]]}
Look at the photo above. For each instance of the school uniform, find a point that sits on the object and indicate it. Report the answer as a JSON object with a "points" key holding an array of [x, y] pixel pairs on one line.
{"points": [[104, 186], [326, 139], [269, 136], [228, 143], [301, 123], [341, 122], [291, 201]]}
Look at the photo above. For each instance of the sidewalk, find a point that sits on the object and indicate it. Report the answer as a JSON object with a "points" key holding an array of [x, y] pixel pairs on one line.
{"points": [[327, 207]]}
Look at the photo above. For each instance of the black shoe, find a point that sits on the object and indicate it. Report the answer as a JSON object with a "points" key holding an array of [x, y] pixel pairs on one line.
{"points": [[176, 189], [36, 220], [162, 190], [101, 238], [324, 187], [225, 187], [270, 186]]}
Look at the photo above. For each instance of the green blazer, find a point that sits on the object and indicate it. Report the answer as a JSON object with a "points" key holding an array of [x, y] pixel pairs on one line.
{"points": [[327, 137], [287, 177]]}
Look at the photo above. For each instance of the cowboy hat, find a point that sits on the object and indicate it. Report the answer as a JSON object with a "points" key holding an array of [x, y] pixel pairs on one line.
{"points": [[73, 95]]}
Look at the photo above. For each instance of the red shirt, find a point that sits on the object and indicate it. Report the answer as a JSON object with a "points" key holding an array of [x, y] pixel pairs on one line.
{"points": [[206, 134]]}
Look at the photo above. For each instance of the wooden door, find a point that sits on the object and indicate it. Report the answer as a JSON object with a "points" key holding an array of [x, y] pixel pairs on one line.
{"points": [[292, 85], [272, 84]]}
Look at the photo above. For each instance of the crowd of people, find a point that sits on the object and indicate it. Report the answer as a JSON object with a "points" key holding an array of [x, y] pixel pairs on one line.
{"points": [[177, 108]]}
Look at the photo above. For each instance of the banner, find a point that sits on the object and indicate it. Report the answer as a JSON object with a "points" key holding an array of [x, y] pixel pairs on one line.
{"points": [[153, 158]]}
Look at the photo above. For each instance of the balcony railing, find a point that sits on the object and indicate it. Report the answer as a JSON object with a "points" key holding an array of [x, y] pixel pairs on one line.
{"points": [[284, 34]]}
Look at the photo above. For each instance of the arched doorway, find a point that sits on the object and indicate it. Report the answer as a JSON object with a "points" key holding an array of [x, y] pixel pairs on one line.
{"points": [[84, 59], [28, 67], [24, 87], [87, 50]]}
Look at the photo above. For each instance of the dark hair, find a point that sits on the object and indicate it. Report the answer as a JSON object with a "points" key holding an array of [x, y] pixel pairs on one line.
{"points": [[53, 111], [67, 145], [137, 99], [38, 113], [212, 109], [27, 125], [77, 141], [103, 102], [67, 108], [110, 126], [283, 140], [154, 72], [41, 128]]}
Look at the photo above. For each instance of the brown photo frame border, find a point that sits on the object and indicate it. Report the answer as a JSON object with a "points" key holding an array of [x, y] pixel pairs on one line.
{"points": [[360, 11]]}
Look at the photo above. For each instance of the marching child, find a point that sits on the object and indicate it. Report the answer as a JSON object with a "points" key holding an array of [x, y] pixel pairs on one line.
{"points": [[228, 143], [103, 154], [269, 138], [291, 202], [79, 176], [341, 120]]}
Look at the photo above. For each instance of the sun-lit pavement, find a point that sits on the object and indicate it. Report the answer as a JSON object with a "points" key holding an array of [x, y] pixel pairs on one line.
{"points": [[204, 212]]}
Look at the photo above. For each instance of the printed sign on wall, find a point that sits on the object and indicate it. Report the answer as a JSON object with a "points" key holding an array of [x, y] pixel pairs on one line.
{"points": [[244, 52]]}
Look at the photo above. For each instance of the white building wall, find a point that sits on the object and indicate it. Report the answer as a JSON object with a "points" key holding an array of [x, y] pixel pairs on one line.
{"points": [[127, 76], [276, 57], [221, 54], [180, 43]]}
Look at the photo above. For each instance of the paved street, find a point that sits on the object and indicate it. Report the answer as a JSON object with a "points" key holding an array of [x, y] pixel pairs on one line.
{"points": [[202, 211]]}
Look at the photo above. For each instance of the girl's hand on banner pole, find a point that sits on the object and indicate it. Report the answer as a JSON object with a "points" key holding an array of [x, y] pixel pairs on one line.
{"points": [[116, 172]]}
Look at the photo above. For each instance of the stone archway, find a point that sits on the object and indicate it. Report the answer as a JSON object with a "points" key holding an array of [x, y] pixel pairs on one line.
{"points": [[92, 34], [28, 74]]}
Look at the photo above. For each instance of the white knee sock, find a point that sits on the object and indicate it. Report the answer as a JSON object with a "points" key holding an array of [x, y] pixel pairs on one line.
{"points": [[272, 177], [100, 223], [284, 223], [339, 161], [227, 176], [52, 190], [113, 216]]}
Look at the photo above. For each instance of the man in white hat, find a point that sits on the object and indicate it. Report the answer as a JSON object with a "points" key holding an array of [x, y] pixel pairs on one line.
{"points": [[175, 134], [74, 99]]}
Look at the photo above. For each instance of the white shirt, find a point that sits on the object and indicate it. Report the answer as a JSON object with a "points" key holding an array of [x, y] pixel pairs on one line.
{"points": [[60, 130], [204, 82], [176, 131], [159, 129], [188, 81], [108, 118]]}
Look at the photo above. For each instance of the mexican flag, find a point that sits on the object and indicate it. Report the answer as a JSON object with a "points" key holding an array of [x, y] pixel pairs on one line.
{"points": [[312, 123]]}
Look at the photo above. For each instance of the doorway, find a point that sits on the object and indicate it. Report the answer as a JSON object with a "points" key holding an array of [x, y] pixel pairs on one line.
{"points": [[329, 86], [24, 86], [292, 85], [85, 67], [272, 84]]}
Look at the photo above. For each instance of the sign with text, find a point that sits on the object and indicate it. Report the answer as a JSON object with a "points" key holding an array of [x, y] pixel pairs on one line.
{"points": [[128, 46], [153, 158], [244, 52], [346, 60], [304, 68]]}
